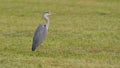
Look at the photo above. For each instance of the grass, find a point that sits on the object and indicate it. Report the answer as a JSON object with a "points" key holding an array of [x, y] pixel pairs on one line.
{"points": [[82, 34]]}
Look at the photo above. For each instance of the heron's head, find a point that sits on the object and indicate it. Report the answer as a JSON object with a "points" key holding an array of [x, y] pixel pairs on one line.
{"points": [[47, 14]]}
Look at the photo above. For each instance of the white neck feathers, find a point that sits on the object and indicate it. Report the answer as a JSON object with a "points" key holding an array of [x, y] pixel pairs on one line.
{"points": [[47, 21]]}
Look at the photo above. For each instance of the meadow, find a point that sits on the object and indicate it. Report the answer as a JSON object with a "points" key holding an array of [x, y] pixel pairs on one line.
{"points": [[82, 34]]}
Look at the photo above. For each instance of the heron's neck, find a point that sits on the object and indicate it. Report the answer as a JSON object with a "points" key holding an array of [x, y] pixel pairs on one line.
{"points": [[47, 21]]}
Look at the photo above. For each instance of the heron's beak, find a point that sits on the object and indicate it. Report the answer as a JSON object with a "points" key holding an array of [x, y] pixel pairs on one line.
{"points": [[50, 14]]}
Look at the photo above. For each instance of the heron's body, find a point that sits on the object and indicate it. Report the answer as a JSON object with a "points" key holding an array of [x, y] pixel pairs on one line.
{"points": [[40, 32]]}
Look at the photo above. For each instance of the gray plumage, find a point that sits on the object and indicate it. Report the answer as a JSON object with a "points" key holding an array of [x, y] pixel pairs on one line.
{"points": [[40, 32]]}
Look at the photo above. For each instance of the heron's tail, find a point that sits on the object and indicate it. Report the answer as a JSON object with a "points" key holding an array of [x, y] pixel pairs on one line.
{"points": [[33, 47]]}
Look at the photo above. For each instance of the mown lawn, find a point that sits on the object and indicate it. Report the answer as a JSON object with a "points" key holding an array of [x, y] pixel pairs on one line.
{"points": [[82, 34]]}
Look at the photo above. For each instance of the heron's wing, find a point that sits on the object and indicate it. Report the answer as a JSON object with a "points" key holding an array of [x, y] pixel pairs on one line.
{"points": [[39, 35]]}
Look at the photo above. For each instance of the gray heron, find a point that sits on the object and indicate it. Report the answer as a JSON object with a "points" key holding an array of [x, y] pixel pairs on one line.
{"points": [[41, 32]]}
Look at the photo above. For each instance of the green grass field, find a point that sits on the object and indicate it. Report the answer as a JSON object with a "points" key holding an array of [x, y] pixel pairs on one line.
{"points": [[82, 34]]}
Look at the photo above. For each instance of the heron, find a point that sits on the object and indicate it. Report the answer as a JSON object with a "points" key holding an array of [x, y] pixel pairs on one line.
{"points": [[41, 32]]}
